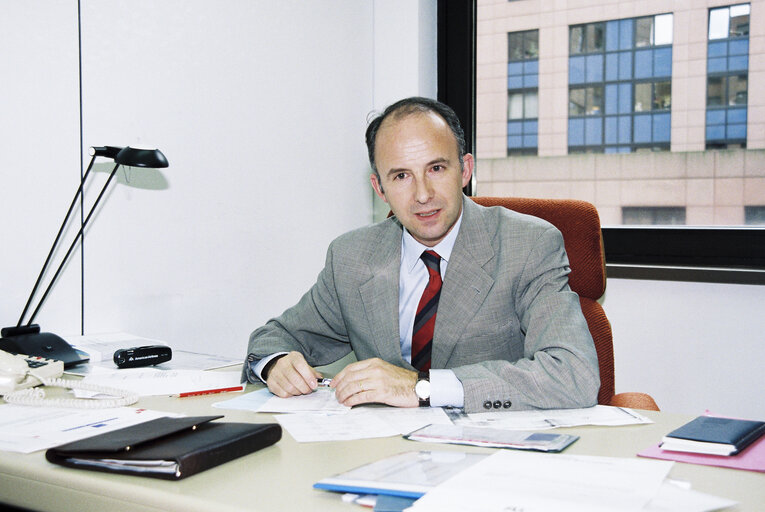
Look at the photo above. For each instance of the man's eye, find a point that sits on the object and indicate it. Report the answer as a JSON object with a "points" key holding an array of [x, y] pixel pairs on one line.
{"points": [[438, 167], [399, 176]]}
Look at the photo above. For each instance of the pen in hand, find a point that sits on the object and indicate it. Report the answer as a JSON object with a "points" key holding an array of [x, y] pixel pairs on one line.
{"points": [[323, 382]]}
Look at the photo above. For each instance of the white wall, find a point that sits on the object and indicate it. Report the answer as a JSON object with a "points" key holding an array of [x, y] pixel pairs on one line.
{"points": [[692, 346], [260, 108]]}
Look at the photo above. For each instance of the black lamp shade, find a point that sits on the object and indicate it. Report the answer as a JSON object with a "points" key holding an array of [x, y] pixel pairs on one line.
{"points": [[132, 157]]}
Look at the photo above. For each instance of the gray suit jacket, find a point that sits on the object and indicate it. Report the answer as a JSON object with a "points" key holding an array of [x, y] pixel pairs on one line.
{"points": [[508, 324]]}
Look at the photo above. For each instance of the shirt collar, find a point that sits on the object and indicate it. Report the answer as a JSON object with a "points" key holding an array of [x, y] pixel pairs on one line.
{"points": [[411, 249]]}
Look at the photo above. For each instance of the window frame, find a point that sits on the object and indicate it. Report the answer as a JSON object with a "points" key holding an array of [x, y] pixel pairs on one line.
{"points": [[697, 254]]}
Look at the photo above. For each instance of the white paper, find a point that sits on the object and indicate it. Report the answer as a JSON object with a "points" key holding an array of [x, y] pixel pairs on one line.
{"points": [[321, 400], [537, 482], [151, 381], [553, 418], [360, 423], [674, 498], [27, 429]]}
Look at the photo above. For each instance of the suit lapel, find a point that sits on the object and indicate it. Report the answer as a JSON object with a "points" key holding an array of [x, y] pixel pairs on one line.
{"points": [[380, 295], [466, 284]]}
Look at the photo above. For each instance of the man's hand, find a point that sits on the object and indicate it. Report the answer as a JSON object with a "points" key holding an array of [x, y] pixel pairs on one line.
{"points": [[375, 381], [291, 375]]}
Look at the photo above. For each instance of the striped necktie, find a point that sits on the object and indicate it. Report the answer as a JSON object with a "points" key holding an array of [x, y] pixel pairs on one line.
{"points": [[425, 318]]}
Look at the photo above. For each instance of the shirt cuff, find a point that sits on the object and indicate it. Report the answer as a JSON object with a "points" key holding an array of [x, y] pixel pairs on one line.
{"points": [[446, 389], [257, 366]]}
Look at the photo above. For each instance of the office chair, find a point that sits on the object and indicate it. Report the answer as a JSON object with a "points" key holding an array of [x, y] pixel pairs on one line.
{"points": [[579, 223]]}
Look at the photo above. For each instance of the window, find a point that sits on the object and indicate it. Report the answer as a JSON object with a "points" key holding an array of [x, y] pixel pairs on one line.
{"points": [[620, 90], [522, 92], [657, 215], [727, 76], [754, 214]]}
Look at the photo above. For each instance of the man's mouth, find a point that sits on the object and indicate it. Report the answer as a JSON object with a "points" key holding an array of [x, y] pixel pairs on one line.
{"points": [[427, 214]]}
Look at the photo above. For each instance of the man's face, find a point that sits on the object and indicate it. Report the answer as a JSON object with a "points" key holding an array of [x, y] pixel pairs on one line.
{"points": [[420, 174]]}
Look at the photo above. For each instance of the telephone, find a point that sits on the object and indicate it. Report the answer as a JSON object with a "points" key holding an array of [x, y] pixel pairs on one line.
{"points": [[20, 372]]}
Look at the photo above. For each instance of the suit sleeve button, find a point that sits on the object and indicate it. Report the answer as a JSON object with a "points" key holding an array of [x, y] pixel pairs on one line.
{"points": [[487, 404], [497, 404], [507, 404]]}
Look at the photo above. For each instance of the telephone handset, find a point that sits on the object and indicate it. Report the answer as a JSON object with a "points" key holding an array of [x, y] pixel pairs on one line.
{"points": [[19, 372]]}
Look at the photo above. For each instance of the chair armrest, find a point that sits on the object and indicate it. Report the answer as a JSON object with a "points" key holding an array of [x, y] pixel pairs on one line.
{"points": [[634, 401]]}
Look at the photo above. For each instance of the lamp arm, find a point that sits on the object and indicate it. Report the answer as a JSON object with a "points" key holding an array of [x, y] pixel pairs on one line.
{"points": [[55, 241], [71, 247]]}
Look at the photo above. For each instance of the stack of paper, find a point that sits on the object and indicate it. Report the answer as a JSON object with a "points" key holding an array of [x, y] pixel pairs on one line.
{"points": [[533, 482]]}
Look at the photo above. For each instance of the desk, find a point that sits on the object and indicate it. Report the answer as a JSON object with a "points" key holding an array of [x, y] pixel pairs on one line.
{"points": [[280, 477]]}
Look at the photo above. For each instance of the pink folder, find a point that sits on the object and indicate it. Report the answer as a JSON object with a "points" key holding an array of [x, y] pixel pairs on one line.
{"points": [[751, 458]]}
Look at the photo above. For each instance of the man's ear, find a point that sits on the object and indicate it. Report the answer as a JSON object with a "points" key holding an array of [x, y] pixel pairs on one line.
{"points": [[468, 166], [375, 181]]}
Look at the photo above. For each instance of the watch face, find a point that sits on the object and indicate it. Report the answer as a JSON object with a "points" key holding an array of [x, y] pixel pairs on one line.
{"points": [[422, 389]]}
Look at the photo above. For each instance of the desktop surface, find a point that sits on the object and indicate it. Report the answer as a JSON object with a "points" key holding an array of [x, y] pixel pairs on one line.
{"points": [[280, 477]]}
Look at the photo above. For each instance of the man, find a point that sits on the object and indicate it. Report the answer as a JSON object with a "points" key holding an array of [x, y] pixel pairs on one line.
{"points": [[484, 320]]}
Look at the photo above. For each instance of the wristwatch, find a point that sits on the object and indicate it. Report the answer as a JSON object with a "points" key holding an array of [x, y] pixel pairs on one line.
{"points": [[422, 389]]}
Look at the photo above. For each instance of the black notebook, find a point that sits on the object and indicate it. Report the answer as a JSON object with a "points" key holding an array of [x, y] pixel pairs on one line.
{"points": [[714, 436], [170, 448]]}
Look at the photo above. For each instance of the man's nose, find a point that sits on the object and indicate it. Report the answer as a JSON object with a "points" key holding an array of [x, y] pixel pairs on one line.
{"points": [[423, 191]]}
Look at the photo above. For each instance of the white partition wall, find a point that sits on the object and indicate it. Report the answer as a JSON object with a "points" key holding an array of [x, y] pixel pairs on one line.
{"points": [[260, 108]]}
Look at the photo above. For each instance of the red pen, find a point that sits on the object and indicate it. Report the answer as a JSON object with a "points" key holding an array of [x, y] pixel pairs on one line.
{"points": [[210, 391]]}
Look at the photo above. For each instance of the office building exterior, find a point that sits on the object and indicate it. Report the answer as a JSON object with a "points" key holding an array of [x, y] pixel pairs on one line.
{"points": [[640, 107]]}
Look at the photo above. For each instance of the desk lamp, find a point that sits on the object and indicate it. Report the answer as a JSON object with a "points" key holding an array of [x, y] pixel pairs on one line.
{"points": [[27, 338]]}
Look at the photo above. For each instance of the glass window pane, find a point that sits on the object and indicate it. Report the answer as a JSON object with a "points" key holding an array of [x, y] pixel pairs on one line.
{"points": [[531, 44], [644, 32], [739, 20], [737, 131], [612, 130], [530, 80], [594, 68], [718, 23], [576, 102], [625, 34], [663, 29], [661, 127], [643, 63], [643, 128], [594, 103], [515, 128], [662, 96], [739, 47], [662, 62], [716, 116], [530, 126], [625, 129], [575, 132], [612, 67], [515, 45], [514, 141], [738, 63], [717, 65], [715, 91], [642, 97], [612, 99], [737, 89], [715, 132], [515, 106], [625, 98], [612, 36], [625, 66], [736, 115], [594, 37], [593, 131], [515, 68], [576, 70], [515, 82], [575, 40], [718, 49], [530, 105]]}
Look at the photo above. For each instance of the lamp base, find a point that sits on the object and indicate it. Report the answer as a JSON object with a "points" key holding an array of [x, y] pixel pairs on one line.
{"points": [[30, 341]]}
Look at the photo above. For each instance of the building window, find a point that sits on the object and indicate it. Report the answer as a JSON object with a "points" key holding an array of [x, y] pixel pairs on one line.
{"points": [[727, 76], [754, 214], [522, 92], [620, 90], [656, 215]]}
